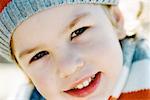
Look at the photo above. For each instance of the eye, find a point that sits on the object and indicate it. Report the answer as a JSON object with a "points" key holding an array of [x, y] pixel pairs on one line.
{"points": [[78, 32], [39, 56]]}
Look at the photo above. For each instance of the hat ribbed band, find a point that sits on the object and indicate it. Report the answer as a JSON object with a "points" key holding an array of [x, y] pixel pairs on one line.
{"points": [[19, 10]]}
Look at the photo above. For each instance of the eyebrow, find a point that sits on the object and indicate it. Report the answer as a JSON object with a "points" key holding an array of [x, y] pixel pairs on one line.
{"points": [[77, 19], [28, 51], [70, 26]]}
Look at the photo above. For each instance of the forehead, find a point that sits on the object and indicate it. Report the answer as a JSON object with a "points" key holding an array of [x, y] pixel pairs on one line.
{"points": [[56, 17]]}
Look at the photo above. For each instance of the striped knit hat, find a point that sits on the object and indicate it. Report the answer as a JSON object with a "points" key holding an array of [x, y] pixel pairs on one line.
{"points": [[14, 12]]}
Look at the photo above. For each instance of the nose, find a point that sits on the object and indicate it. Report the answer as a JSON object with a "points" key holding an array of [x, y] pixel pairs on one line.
{"points": [[68, 64]]}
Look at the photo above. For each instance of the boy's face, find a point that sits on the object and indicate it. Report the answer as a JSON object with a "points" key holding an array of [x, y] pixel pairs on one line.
{"points": [[58, 55]]}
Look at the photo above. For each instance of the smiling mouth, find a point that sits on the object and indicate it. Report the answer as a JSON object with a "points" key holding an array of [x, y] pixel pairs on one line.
{"points": [[85, 87]]}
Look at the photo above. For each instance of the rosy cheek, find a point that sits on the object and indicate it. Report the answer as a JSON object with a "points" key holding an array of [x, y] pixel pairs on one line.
{"points": [[43, 73]]}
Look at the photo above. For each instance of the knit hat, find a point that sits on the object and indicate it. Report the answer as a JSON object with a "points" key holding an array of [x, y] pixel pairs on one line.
{"points": [[14, 12]]}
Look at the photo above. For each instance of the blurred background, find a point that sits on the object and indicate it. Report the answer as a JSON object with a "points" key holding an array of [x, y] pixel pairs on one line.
{"points": [[137, 20]]}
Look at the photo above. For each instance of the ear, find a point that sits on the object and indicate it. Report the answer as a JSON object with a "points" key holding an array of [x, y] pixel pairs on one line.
{"points": [[119, 22]]}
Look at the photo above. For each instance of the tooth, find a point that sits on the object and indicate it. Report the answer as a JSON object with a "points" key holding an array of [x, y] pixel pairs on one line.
{"points": [[93, 76], [85, 83], [89, 80], [80, 86]]}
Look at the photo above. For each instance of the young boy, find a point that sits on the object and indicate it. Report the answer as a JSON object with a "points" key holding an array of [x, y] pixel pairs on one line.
{"points": [[74, 50]]}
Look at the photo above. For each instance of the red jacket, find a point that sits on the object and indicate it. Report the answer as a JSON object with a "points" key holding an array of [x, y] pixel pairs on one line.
{"points": [[136, 95]]}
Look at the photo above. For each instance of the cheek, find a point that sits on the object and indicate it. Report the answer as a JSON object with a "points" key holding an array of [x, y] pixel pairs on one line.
{"points": [[43, 77], [45, 83], [104, 50], [112, 63], [39, 79], [111, 59]]}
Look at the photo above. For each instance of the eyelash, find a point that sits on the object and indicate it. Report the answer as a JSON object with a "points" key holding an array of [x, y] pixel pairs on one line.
{"points": [[39, 55], [78, 32]]}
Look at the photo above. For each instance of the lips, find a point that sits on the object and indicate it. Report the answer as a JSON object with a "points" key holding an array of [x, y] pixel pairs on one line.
{"points": [[83, 88]]}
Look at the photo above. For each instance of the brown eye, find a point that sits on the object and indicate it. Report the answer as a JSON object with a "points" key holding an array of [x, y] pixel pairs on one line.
{"points": [[78, 32], [39, 56]]}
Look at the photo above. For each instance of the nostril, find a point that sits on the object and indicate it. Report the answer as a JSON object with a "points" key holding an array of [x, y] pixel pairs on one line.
{"points": [[62, 75]]}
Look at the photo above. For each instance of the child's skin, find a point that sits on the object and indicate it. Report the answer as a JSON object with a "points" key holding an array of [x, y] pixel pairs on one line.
{"points": [[67, 60]]}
